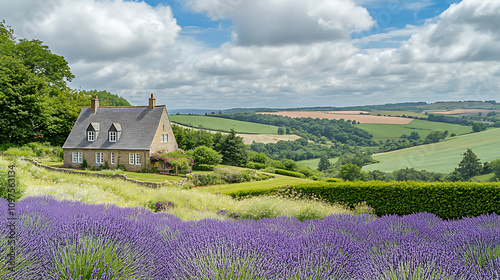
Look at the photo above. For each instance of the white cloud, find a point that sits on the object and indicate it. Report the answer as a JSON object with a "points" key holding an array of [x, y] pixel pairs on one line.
{"points": [[467, 31], [277, 22], [95, 30]]}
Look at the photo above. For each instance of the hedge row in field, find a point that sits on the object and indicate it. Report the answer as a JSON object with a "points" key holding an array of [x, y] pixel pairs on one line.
{"points": [[289, 173], [448, 200]]}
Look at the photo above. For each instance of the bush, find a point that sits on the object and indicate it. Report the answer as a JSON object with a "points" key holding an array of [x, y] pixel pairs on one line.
{"points": [[4, 186], [334, 180], [225, 176], [289, 173], [204, 156], [85, 164], [448, 200]]}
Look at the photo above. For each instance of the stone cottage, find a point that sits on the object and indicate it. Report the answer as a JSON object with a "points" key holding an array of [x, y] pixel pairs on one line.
{"points": [[119, 135]]}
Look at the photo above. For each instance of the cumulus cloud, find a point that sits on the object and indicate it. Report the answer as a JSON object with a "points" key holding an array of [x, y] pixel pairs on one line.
{"points": [[276, 22], [95, 30], [466, 31]]}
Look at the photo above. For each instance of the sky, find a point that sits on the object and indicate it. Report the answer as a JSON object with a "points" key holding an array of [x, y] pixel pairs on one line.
{"points": [[221, 54]]}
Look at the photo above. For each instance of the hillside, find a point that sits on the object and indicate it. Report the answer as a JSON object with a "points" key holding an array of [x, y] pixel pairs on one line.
{"points": [[443, 156], [423, 128], [220, 124]]}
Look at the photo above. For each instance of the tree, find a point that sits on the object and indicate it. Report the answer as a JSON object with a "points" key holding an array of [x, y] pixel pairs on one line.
{"points": [[350, 172], [469, 166], [232, 149], [205, 156], [22, 97], [495, 166], [477, 127], [281, 131], [324, 164]]}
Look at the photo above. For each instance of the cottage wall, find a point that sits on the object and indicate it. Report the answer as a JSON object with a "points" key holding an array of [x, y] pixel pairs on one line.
{"points": [[164, 128], [121, 157]]}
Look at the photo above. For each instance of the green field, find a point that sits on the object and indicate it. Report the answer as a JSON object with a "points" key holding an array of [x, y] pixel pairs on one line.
{"points": [[398, 113], [441, 157], [423, 128], [219, 124], [313, 163]]}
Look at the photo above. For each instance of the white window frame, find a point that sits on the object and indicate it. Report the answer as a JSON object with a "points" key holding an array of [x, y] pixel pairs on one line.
{"points": [[77, 157], [91, 136], [161, 137], [99, 157], [134, 159], [112, 136], [165, 137], [112, 158]]}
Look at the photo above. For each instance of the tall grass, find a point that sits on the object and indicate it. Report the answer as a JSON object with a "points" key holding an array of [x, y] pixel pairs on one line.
{"points": [[191, 204]]}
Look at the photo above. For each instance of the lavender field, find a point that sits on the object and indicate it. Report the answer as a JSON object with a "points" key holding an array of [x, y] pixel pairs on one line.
{"points": [[73, 240]]}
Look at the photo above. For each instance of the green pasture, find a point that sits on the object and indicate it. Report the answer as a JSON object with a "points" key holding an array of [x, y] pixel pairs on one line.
{"points": [[219, 124], [441, 157], [423, 128], [460, 105], [313, 163], [398, 113]]}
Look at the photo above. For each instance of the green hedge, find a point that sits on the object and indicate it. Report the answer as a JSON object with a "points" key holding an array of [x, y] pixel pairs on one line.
{"points": [[289, 173], [448, 200]]}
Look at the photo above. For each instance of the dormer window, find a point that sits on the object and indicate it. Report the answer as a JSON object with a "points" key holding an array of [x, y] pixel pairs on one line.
{"points": [[92, 132], [112, 136], [91, 135], [114, 132]]}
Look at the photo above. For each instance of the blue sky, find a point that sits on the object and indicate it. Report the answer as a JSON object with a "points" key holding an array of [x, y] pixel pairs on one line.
{"points": [[220, 54]]}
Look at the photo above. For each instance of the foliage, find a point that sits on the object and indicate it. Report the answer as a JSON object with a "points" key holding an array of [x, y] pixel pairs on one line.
{"points": [[84, 164], [478, 127], [324, 164], [204, 156], [176, 159], [469, 166], [225, 176], [350, 172], [495, 167], [448, 119], [223, 125], [289, 173], [448, 200], [232, 149], [189, 139], [106, 99], [435, 136], [411, 174]]}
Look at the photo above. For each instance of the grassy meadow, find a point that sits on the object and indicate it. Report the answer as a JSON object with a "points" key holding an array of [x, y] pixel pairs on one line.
{"points": [[398, 113], [313, 163], [190, 204], [423, 128], [219, 124], [441, 157]]}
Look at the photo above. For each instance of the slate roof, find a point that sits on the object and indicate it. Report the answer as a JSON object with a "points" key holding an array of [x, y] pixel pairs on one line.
{"points": [[138, 127]]}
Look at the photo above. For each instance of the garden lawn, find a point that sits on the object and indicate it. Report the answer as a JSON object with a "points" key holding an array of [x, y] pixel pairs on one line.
{"points": [[441, 157], [152, 177], [423, 128], [220, 124]]}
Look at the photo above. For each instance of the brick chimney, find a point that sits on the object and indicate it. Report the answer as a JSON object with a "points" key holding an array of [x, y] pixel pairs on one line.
{"points": [[94, 104], [152, 102]]}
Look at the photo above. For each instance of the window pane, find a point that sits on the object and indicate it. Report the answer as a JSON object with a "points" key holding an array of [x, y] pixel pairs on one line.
{"points": [[80, 157], [74, 155], [130, 158], [138, 159], [112, 158]]}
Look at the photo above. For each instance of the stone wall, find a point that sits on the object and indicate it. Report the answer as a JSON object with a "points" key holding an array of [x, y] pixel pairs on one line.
{"points": [[118, 176]]}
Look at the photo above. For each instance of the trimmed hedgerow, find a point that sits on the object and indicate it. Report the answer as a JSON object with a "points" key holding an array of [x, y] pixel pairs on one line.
{"points": [[289, 173], [448, 200]]}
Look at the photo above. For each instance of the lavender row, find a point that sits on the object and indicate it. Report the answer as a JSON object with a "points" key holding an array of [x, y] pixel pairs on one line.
{"points": [[72, 240]]}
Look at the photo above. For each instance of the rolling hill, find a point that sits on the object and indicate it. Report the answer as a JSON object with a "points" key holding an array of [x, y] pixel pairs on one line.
{"points": [[441, 157]]}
